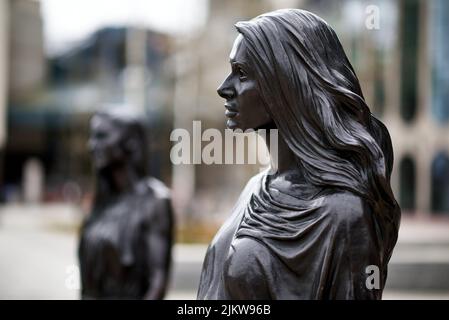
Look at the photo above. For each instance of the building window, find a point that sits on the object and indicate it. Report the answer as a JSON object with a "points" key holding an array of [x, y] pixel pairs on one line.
{"points": [[379, 85], [407, 195], [409, 58], [440, 62], [440, 183]]}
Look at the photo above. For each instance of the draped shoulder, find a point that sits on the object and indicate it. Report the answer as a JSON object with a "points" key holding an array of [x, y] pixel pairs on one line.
{"points": [[281, 246], [211, 284]]}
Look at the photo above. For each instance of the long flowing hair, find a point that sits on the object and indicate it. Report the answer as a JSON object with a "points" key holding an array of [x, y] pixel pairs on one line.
{"points": [[314, 97]]}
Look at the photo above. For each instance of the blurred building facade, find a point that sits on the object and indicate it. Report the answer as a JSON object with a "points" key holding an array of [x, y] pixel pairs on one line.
{"points": [[4, 51], [48, 101], [25, 76], [116, 67], [417, 107], [208, 192]]}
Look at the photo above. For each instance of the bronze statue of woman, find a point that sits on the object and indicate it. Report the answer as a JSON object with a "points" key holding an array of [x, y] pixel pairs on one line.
{"points": [[320, 223], [125, 244]]}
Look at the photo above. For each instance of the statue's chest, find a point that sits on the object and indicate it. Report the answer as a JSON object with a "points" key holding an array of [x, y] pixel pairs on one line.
{"points": [[116, 229]]}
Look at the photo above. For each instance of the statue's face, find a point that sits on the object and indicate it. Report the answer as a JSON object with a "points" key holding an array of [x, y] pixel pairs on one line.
{"points": [[104, 142], [245, 108]]}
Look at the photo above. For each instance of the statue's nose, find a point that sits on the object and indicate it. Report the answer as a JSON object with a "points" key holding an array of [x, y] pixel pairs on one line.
{"points": [[225, 91]]}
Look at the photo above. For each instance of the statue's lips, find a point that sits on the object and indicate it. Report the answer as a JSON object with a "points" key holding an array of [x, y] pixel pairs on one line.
{"points": [[230, 112]]}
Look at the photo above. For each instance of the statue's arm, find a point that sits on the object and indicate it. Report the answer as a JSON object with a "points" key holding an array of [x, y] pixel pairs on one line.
{"points": [[357, 250], [159, 238]]}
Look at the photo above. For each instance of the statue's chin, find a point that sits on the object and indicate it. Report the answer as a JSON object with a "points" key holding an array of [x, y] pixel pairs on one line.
{"points": [[232, 124]]}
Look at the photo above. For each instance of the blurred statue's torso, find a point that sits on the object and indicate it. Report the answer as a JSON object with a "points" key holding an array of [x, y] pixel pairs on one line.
{"points": [[125, 243], [114, 245]]}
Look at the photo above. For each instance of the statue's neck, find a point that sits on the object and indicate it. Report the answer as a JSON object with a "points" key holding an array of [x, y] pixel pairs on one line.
{"points": [[121, 179], [281, 157]]}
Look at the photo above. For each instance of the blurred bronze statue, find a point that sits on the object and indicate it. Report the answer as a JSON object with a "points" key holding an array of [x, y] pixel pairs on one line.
{"points": [[323, 219], [125, 244]]}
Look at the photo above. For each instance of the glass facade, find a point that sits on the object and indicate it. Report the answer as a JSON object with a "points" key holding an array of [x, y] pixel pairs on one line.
{"points": [[409, 58], [440, 183], [439, 26], [407, 172]]}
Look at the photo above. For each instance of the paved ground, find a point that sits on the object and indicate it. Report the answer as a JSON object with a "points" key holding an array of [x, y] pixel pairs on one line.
{"points": [[38, 258]]}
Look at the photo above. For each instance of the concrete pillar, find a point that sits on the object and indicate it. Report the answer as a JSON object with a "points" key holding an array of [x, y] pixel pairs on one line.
{"points": [[4, 49], [136, 74], [423, 180], [33, 181]]}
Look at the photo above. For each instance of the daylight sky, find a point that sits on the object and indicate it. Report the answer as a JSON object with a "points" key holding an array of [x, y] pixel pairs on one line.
{"points": [[66, 22]]}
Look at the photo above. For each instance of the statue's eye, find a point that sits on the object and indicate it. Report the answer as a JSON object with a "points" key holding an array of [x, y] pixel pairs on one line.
{"points": [[242, 74]]}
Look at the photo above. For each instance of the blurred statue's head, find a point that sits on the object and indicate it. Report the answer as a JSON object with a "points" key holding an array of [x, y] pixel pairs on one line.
{"points": [[117, 138]]}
